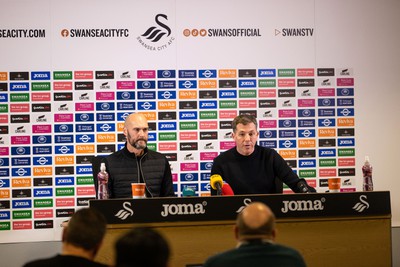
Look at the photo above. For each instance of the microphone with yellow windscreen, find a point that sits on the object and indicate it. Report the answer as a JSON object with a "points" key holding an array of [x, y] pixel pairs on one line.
{"points": [[216, 183]]}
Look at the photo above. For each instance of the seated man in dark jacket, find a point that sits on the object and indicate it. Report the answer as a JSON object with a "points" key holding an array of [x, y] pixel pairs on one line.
{"points": [[251, 169], [135, 163], [255, 233]]}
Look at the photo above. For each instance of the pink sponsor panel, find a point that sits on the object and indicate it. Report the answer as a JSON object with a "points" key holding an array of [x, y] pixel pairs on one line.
{"points": [[208, 155], [306, 103], [62, 86], [39, 97], [265, 93], [65, 202], [4, 151], [345, 81], [146, 74], [3, 118], [83, 75], [347, 162], [267, 124], [17, 108], [327, 172], [247, 103], [206, 125], [347, 190], [85, 191], [64, 117], [84, 106], [20, 140], [125, 84], [306, 72], [226, 145], [286, 82], [326, 91], [22, 225], [167, 146], [105, 95], [190, 166], [188, 135], [227, 114], [287, 113], [43, 213]]}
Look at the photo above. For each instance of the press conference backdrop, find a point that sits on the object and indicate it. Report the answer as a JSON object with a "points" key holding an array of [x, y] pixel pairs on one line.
{"points": [[313, 72]]}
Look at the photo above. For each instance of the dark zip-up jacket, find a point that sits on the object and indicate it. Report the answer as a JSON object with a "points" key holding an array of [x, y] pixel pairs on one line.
{"points": [[124, 168]]}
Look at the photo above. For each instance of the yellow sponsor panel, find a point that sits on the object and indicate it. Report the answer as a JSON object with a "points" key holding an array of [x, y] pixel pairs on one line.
{"points": [[227, 73], [84, 149], [345, 122], [208, 84], [3, 76], [326, 132], [106, 138], [120, 126], [288, 154], [188, 94], [150, 116], [64, 160], [166, 105], [21, 182], [42, 171], [4, 193], [307, 143]]}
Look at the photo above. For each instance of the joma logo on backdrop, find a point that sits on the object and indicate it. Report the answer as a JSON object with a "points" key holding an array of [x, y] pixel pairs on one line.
{"points": [[157, 38]]}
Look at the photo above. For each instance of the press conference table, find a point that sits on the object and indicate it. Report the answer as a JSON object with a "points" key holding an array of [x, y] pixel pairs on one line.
{"points": [[329, 229]]}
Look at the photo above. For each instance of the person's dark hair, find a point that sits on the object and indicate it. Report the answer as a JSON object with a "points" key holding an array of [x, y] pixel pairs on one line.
{"points": [[243, 119], [85, 229], [142, 247]]}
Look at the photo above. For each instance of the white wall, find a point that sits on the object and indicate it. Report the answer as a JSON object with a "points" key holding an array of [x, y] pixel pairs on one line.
{"points": [[366, 35]]}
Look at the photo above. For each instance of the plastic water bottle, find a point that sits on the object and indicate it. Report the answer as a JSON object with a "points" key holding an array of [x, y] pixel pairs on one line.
{"points": [[102, 182], [367, 175]]}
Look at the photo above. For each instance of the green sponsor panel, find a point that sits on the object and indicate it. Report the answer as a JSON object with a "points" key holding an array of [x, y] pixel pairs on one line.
{"points": [[84, 180], [3, 108], [192, 125], [66, 191], [22, 214], [307, 173], [286, 72], [44, 86], [19, 97], [247, 93], [267, 83], [43, 203], [152, 146], [327, 162], [227, 104], [167, 136], [62, 75], [346, 152], [208, 115], [5, 226]]}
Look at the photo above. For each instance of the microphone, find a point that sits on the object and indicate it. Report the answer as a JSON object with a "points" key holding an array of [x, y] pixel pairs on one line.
{"points": [[227, 190], [216, 183], [188, 192]]}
